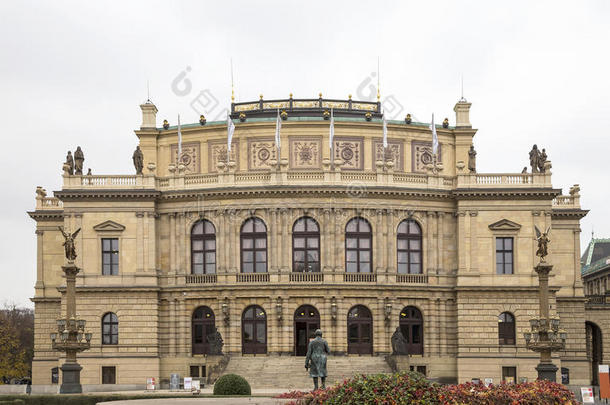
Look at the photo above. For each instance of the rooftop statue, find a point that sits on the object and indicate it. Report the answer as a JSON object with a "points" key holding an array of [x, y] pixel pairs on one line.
{"points": [[542, 160], [535, 159], [472, 160], [70, 163], [315, 361], [543, 242], [79, 158], [69, 243], [138, 160]]}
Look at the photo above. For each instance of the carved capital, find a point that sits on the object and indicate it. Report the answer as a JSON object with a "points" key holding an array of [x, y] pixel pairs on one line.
{"points": [[474, 213], [536, 213], [140, 214], [39, 232], [460, 213]]}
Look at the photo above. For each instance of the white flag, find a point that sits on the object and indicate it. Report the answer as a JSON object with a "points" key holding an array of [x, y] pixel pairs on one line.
{"points": [[332, 130], [434, 136], [230, 130], [278, 127], [385, 132], [179, 139]]}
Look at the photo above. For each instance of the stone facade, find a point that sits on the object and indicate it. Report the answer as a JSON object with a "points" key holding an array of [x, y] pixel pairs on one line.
{"points": [[459, 293]]}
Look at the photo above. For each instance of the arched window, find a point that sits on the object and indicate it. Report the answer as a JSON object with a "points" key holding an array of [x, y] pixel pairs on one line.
{"points": [[254, 246], [412, 329], [110, 329], [409, 247], [358, 246], [359, 330], [203, 248], [203, 329], [254, 330], [506, 328], [305, 245]]}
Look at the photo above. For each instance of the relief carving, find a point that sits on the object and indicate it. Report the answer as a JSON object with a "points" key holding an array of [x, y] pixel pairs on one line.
{"points": [[190, 157], [349, 151], [217, 152], [393, 153], [422, 156], [305, 153], [260, 153]]}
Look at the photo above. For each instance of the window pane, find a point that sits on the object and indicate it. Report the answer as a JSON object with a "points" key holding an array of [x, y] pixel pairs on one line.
{"points": [[209, 228], [210, 268], [106, 269], [114, 258], [260, 333], [402, 268], [351, 226], [352, 268], [299, 266], [261, 243], [415, 257], [210, 244], [198, 228], [198, 269], [499, 244], [312, 256], [365, 256], [312, 226], [299, 242], [508, 257], [415, 244], [364, 226], [197, 245], [299, 226], [365, 332], [499, 257], [261, 256], [415, 329], [198, 334], [402, 257], [365, 267], [260, 227], [352, 333], [197, 258], [115, 244], [261, 267], [365, 243], [248, 268], [312, 242], [351, 255], [508, 268], [249, 314], [248, 226], [106, 258], [248, 332], [247, 257], [402, 228], [402, 244], [415, 268], [210, 257], [299, 256], [247, 243], [106, 244], [413, 228], [351, 243], [508, 243]]}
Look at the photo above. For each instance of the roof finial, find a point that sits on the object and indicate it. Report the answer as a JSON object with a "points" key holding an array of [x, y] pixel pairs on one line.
{"points": [[232, 88]]}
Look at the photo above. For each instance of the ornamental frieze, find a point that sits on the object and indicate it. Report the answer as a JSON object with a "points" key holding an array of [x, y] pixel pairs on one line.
{"points": [[422, 156], [349, 151], [190, 156], [217, 152], [305, 152], [394, 152], [260, 153]]}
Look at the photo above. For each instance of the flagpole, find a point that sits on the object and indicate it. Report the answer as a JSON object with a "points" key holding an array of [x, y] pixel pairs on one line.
{"points": [[179, 141]]}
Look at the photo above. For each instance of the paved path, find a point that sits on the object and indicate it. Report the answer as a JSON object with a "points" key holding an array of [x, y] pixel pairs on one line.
{"points": [[201, 401]]}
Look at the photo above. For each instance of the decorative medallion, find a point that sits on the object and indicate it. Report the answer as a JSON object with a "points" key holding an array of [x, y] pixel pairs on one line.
{"points": [[189, 157], [260, 153], [394, 152], [217, 152], [305, 152], [422, 156], [349, 150]]}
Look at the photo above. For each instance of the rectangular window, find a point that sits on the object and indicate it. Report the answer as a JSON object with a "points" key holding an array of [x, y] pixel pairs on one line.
{"points": [[509, 375], [194, 371], [55, 375], [504, 255], [109, 375], [421, 370], [110, 256]]}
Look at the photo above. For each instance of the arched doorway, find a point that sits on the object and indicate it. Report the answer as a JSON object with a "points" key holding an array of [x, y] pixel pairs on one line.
{"points": [[594, 349], [254, 330], [306, 321], [203, 325], [412, 329], [359, 330]]}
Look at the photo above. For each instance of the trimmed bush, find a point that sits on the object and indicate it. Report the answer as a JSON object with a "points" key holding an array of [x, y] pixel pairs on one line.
{"points": [[232, 384]]}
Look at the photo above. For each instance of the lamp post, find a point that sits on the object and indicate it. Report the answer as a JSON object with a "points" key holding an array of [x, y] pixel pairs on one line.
{"points": [[544, 336], [71, 330]]}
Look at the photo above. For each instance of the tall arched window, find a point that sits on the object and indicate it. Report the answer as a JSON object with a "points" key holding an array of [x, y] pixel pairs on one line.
{"points": [[305, 245], [254, 246], [254, 330], [359, 330], [203, 248], [506, 328], [203, 329], [409, 247], [358, 246], [110, 329], [412, 329]]}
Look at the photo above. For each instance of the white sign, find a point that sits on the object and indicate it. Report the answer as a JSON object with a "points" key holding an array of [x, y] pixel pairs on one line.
{"points": [[188, 383], [196, 385], [587, 395], [150, 383], [489, 381], [603, 368]]}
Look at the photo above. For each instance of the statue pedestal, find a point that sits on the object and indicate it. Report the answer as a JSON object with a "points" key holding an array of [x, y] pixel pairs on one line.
{"points": [[547, 371], [70, 382]]}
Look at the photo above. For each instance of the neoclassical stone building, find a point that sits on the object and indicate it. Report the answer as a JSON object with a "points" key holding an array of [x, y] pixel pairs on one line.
{"points": [[266, 244]]}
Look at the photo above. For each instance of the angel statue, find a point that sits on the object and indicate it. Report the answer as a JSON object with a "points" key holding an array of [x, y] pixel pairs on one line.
{"points": [[543, 242], [69, 243]]}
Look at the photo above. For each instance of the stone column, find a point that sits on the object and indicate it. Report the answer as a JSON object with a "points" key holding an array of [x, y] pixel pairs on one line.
{"points": [[443, 332], [338, 246], [273, 259], [181, 242], [172, 242], [184, 336], [285, 252], [39, 261], [173, 330], [392, 228], [462, 242], [152, 242], [139, 242], [378, 251], [428, 327], [439, 326], [430, 243], [474, 243], [577, 277], [326, 240], [440, 259]]}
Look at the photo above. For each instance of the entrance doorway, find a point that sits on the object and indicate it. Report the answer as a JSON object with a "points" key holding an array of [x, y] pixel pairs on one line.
{"points": [[254, 330], [594, 349], [306, 321], [359, 330], [202, 325]]}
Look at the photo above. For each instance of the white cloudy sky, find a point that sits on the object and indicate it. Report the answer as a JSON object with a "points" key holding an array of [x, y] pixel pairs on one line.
{"points": [[73, 73]]}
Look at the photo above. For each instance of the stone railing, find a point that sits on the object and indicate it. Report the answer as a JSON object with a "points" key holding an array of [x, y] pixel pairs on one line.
{"points": [[298, 277], [567, 201], [360, 277], [412, 278], [252, 277], [597, 299], [201, 278], [503, 180], [49, 203], [109, 182]]}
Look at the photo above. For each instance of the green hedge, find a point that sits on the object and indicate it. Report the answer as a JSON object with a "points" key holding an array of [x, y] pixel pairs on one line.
{"points": [[231, 384]]}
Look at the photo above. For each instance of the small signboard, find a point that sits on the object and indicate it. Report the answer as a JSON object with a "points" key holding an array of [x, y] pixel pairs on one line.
{"points": [[188, 383], [196, 385], [489, 381], [174, 382], [150, 383], [604, 381], [587, 395]]}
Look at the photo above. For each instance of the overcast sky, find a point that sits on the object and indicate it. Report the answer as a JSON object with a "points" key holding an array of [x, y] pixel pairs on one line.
{"points": [[74, 73]]}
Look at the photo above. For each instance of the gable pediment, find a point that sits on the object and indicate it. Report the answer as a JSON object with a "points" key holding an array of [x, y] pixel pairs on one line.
{"points": [[109, 226], [505, 225]]}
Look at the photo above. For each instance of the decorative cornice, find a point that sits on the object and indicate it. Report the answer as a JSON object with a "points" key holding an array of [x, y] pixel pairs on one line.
{"points": [[573, 213], [109, 226], [46, 215], [105, 194], [506, 194], [504, 225]]}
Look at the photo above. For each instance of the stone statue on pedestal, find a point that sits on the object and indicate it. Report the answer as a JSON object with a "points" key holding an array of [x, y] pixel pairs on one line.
{"points": [[70, 163], [399, 343], [472, 160], [315, 361], [216, 342], [79, 158], [69, 243], [138, 160], [543, 242], [535, 159], [542, 160]]}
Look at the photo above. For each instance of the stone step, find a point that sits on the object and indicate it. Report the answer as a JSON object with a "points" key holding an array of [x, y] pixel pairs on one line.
{"points": [[288, 372]]}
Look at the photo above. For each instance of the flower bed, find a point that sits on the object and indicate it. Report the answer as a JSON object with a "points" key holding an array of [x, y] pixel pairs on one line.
{"points": [[412, 388]]}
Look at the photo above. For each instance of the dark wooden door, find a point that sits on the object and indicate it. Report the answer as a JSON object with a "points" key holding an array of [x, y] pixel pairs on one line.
{"points": [[306, 321], [254, 331], [359, 331]]}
